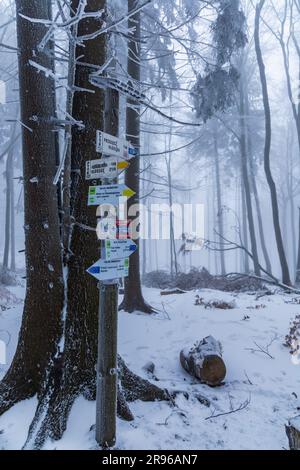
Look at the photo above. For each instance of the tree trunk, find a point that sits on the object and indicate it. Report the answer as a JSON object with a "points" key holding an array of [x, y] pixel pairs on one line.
{"points": [[133, 297], [254, 185], [12, 221], [245, 230], [280, 247], [41, 323], [7, 226], [219, 198], [245, 179]]}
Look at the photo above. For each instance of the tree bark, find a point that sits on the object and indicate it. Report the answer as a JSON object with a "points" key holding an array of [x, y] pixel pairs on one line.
{"points": [[41, 322], [280, 247]]}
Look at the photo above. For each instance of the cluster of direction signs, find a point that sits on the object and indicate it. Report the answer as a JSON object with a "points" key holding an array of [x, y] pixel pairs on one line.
{"points": [[116, 251]]}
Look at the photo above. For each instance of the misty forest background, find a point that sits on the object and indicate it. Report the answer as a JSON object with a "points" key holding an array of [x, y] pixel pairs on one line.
{"points": [[209, 93]]}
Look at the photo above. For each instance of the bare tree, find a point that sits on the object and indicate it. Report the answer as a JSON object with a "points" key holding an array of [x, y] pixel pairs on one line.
{"points": [[281, 252]]}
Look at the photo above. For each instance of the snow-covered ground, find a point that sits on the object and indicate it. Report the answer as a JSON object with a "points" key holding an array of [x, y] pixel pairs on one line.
{"points": [[271, 385]]}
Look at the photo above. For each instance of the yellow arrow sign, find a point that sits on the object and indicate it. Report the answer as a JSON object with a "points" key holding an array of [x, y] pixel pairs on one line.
{"points": [[128, 192], [122, 165]]}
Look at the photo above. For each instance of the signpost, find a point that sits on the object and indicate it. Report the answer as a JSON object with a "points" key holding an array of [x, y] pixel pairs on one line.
{"points": [[114, 264], [108, 194], [118, 249], [114, 146], [104, 168], [105, 270]]}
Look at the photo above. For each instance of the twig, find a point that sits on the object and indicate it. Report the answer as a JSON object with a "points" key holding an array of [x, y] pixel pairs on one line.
{"points": [[263, 350], [242, 406]]}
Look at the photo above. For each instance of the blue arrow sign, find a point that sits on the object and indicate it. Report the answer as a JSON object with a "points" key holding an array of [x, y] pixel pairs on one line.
{"points": [[105, 270]]}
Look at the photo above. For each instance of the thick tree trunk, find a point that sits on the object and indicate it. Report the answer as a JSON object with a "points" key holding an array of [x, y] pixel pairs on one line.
{"points": [[133, 297], [280, 247], [41, 323], [245, 179]]}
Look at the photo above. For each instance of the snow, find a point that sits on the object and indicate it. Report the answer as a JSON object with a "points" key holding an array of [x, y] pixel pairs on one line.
{"points": [[15, 423], [270, 385]]}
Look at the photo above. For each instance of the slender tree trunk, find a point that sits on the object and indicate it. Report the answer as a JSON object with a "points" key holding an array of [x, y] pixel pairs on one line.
{"points": [[253, 183], [41, 322], [245, 179], [245, 230], [293, 226], [7, 213], [133, 297], [219, 197], [9, 242], [12, 221], [280, 247]]}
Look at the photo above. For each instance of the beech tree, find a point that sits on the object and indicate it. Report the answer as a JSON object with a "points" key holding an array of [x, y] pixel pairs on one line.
{"points": [[268, 136]]}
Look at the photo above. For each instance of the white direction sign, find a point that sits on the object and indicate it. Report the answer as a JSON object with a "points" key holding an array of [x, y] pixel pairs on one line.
{"points": [[119, 249], [114, 146], [105, 270], [108, 194], [104, 168]]}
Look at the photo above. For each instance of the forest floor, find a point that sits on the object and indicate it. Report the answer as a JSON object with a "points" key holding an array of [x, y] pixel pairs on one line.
{"points": [[266, 388]]}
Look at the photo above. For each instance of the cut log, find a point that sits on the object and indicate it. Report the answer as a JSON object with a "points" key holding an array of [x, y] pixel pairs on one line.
{"points": [[293, 433], [204, 361], [172, 292]]}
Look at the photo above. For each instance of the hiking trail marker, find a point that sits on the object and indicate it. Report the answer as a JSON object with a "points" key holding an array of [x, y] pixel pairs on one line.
{"points": [[108, 194], [114, 146], [105, 270], [108, 167], [118, 249]]}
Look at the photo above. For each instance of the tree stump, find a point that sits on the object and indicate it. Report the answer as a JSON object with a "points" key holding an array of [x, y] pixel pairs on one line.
{"points": [[293, 433], [204, 361]]}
